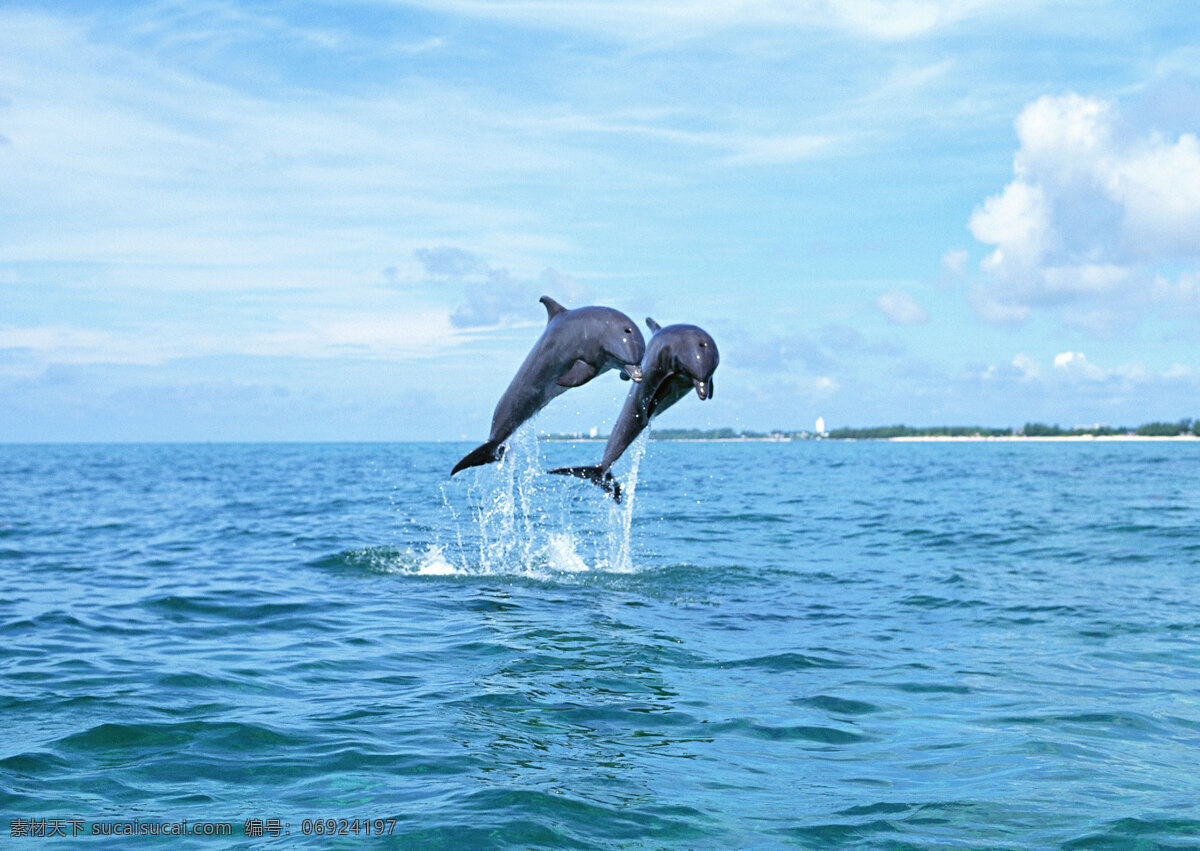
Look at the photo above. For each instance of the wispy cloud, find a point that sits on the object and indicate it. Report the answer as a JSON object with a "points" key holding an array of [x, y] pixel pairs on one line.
{"points": [[674, 128], [954, 262], [640, 20], [140, 161], [310, 334], [901, 308], [385, 188]]}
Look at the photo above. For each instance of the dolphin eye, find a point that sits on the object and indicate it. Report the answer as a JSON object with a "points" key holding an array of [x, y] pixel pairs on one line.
{"points": [[704, 345], [628, 330]]}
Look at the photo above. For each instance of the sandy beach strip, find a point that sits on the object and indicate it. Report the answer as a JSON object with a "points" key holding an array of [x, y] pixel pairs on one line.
{"points": [[1020, 438]]}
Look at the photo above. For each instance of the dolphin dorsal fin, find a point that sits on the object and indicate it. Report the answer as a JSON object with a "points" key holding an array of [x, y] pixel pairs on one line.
{"points": [[654, 326], [553, 308]]}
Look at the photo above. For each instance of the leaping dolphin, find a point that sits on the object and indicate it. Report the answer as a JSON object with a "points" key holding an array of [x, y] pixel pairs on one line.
{"points": [[678, 358], [576, 346]]}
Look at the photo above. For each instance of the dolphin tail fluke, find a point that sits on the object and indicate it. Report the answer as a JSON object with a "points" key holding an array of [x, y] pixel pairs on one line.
{"points": [[598, 477], [486, 453]]}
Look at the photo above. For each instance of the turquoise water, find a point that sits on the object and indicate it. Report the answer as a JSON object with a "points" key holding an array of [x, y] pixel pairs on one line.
{"points": [[819, 644]]}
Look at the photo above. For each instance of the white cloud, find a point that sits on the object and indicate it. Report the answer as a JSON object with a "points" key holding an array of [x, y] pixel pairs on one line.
{"points": [[640, 20], [777, 150], [137, 160], [954, 262], [901, 308], [1063, 137], [493, 296], [733, 147], [1094, 211], [416, 335], [1158, 186], [995, 310], [1085, 278], [1017, 222], [313, 333], [1030, 369], [65, 344], [1076, 364], [1180, 294], [448, 261], [140, 159]]}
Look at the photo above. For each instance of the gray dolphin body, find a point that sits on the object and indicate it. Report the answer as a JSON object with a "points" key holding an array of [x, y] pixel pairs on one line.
{"points": [[576, 346], [678, 359]]}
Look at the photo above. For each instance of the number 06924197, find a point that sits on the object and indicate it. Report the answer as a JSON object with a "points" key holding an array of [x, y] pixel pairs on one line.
{"points": [[348, 827]]}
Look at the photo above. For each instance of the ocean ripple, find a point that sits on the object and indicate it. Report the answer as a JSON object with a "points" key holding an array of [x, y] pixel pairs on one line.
{"points": [[818, 644]]}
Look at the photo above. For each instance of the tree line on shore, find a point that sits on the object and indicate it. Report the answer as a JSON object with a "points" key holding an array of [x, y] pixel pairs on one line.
{"points": [[1152, 429]]}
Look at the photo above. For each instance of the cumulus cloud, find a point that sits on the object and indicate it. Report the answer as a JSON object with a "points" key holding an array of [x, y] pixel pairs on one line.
{"points": [[791, 353], [450, 262], [1095, 209], [1029, 368], [1077, 364], [493, 296], [901, 309], [1017, 222], [1072, 367], [1070, 386], [835, 367], [496, 300]]}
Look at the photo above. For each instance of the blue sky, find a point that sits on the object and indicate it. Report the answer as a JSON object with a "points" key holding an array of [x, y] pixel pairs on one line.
{"points": [[325, 221]]}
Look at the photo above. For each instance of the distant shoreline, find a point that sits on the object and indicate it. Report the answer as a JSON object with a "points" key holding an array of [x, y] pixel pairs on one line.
{"points": [[938, 438], [1185, 429], [1011, 438]]}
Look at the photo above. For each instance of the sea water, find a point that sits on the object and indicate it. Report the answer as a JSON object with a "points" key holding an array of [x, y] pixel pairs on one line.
{"points": [[812, 644]]}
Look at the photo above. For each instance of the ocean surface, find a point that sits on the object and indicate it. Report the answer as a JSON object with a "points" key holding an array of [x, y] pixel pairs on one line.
{"points": [[811, 644]]}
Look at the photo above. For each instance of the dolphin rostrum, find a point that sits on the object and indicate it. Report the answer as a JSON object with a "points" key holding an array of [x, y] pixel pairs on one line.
{"points": [[576, 346], [678, 358]]}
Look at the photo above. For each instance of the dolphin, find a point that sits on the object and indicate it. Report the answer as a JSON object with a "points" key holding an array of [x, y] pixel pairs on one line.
{"points": [[576, 346], [678, 358]]}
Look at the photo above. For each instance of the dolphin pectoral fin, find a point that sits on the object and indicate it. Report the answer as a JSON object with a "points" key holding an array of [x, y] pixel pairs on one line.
{"points": [[580, 373], [553, 308], [652, 325], [486, 453], [600, 478], [661, 395]]}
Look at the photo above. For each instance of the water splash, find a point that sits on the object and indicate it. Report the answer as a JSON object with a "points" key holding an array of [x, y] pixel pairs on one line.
{"points": [[562, 553], [434, 563], [517, 520], [620, 515]]}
